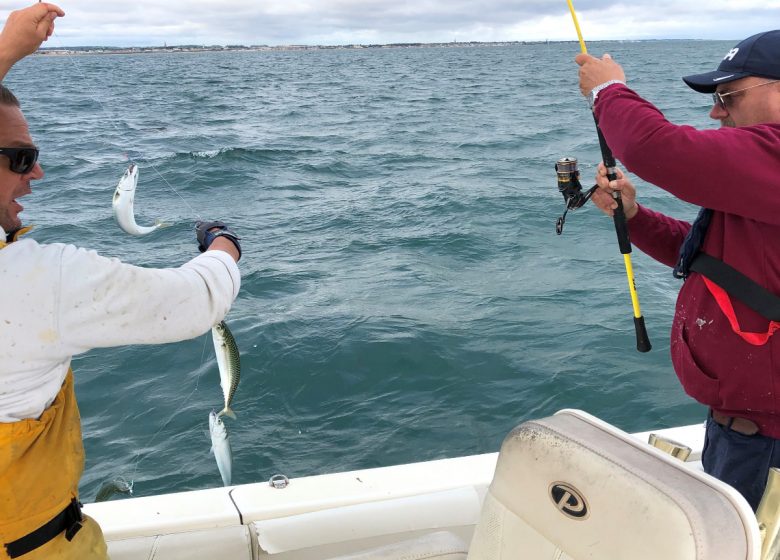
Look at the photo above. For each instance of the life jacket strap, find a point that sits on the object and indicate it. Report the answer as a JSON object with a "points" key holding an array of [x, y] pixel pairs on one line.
{"points": [[692, 243], [723, 281], [724, 302], [754, 295]]}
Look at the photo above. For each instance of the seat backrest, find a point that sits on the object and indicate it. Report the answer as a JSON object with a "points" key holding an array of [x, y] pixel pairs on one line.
{"points": [[573, 487]]}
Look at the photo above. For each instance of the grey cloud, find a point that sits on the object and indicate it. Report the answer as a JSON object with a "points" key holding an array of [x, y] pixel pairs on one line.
{"points": [[147, 22]]}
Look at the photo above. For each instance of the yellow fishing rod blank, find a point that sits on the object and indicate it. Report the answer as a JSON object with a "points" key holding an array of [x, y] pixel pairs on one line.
{"points": [[577, 27]]}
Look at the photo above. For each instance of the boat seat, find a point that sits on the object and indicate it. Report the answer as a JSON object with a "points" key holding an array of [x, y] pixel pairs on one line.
{"points": [[441, 545], [431, 525], [226, 542], [572, 487]]}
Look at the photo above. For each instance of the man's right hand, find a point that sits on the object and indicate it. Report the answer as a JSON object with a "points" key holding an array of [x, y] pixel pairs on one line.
{"points": [[217, 235], [24, 32], [602, 197]]}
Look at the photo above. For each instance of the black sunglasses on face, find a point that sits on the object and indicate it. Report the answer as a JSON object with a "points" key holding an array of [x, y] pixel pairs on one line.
{"points": [[22, 159]]}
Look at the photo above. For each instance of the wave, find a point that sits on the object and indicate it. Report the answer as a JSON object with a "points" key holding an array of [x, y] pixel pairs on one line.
{"points": [[227, 154]]}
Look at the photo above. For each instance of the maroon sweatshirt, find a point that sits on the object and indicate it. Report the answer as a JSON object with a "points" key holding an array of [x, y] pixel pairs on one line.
{"points": [[736, 173]]}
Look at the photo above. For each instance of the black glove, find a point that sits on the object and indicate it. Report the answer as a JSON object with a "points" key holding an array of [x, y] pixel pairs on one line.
{"points": [[206, 237]]}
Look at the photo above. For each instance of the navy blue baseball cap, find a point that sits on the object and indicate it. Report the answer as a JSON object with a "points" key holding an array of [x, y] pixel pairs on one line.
{"points": [[758, 55]]}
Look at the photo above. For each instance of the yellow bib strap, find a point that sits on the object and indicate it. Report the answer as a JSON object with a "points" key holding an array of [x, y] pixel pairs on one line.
{"points": [[40, 466], [16, 235]]}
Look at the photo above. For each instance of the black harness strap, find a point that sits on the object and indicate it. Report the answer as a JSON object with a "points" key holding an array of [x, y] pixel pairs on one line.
{"points": [[737, 285], [68, 520]]}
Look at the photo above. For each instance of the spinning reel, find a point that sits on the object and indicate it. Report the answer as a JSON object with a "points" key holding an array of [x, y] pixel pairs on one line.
{"points": [[570, 187]]}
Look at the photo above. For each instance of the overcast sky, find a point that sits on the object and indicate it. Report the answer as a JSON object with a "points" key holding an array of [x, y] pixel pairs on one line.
{"points": [[335, 22]]}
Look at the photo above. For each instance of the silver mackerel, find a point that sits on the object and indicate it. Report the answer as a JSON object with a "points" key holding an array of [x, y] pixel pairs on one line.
{"points": [[124, 202], [220, 446], [229, 363]]}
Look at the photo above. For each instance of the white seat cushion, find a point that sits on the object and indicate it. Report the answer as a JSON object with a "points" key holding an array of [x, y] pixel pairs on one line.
{"points": [[572, 486], [226, 542], [440, 545]]}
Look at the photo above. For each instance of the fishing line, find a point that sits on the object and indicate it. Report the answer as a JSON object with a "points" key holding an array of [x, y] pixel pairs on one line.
{"points": [[141, 455], [113, 122]]}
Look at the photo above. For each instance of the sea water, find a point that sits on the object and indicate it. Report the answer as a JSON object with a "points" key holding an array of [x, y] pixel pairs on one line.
{"points": [[405, 296]]}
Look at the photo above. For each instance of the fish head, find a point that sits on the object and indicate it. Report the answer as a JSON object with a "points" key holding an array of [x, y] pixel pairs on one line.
{"points": [[220, 329], [218, 334], [216, 426], [129, 180]]}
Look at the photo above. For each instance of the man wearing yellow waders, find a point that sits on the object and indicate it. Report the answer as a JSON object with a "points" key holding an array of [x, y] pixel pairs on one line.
{"points": [[56, 301]]}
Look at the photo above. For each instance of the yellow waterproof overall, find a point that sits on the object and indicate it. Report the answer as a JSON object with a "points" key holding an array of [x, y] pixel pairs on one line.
{"points": [[41, 462]]}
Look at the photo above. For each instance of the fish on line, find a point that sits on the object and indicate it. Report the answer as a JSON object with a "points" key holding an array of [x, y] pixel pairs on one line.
{"points": [[124, 201], [112, 487], [229, 364], [220, 446]]}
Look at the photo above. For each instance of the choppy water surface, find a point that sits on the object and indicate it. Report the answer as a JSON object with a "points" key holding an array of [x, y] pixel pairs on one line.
{"points": [[405, 296]]}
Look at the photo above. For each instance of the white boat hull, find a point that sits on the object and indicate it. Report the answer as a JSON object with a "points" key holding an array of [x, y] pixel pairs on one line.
{"points": [[317, 516]]}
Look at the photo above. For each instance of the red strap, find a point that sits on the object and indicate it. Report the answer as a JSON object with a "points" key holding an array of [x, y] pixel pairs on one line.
{"points": [[722, 298]]}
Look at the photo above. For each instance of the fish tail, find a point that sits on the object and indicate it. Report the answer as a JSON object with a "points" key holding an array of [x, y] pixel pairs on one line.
{"points": [[162, 224], [227, 411]]}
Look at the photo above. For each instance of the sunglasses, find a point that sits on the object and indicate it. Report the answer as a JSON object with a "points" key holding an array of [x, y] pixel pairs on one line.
{"points": [[22, 159], [722, 98]]}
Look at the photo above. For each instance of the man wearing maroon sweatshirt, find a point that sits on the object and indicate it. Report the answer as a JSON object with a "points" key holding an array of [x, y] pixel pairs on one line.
{"points": [[728, 308]]}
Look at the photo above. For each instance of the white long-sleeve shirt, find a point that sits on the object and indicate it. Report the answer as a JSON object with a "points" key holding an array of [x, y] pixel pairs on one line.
{"points": [[58, 300]]}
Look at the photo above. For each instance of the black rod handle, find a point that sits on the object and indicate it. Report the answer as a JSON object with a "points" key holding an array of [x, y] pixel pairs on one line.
{"points": [[619, 215], [621, 225], [606, 152], [642, 340]]}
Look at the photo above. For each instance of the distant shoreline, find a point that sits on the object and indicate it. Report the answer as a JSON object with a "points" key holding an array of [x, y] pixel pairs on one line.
{"points": [[55, 51]]}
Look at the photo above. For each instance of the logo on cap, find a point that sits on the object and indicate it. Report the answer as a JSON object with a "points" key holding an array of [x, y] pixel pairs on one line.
{"points": [[731, 54]]}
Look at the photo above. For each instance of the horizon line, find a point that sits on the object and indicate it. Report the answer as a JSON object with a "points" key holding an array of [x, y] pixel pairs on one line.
{"points": [[355, 45]]}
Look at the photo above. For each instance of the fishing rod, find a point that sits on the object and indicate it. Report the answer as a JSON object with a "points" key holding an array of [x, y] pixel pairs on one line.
{"points": [[568, 184]]}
